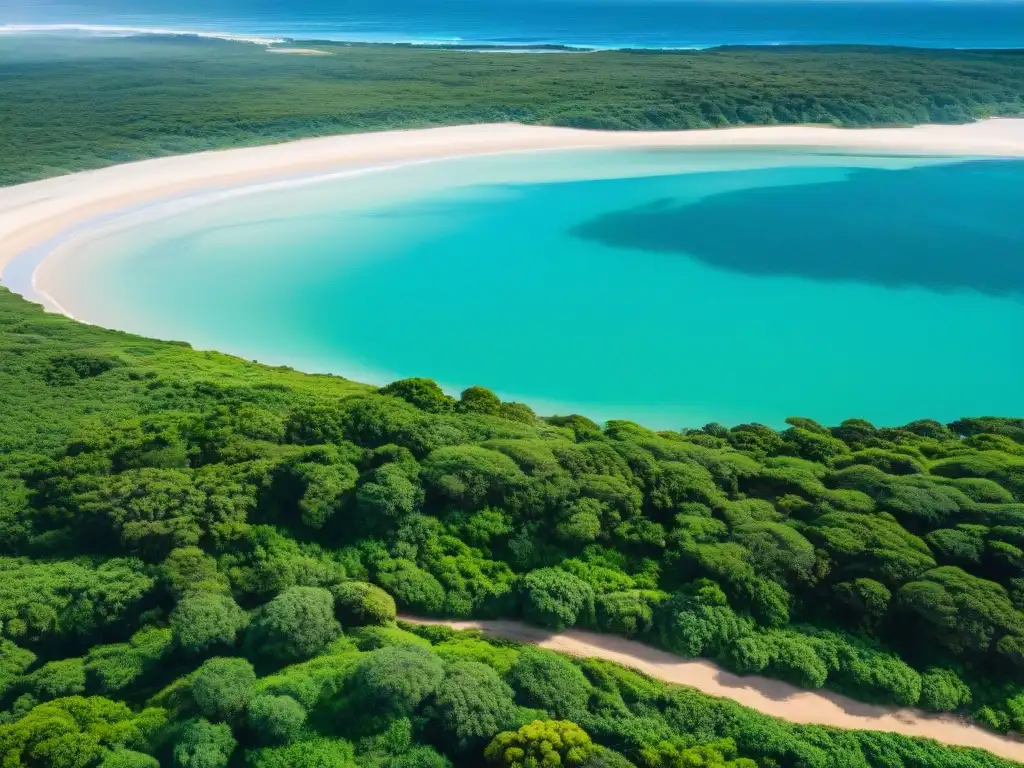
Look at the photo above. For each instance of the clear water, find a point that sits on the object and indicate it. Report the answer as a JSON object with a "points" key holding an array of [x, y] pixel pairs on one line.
{"points": [[605, 23], [673, 288]]}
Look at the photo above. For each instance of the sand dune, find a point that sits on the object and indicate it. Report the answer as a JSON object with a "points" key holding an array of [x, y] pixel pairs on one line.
{"points": [[772, 697], [33, 214]]}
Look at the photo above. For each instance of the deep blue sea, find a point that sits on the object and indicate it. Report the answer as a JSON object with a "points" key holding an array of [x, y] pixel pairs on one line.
{"points": [[672, 288], [600, 23]]}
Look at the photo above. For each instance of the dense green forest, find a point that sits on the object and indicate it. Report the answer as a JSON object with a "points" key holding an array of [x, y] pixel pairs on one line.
{"points": [[75, 104], [201, 557]]}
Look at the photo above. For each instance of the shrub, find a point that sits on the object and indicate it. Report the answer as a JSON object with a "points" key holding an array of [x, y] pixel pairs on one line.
{"points": [[317, 752], [425, 394], [943, 691], [294, 625], [222, 687], [556, 599], [414, 589], [541, 743], [275, 718], [397, 679], [550, 682], [202, 621], [479, 400], [57, 678], [472, 704], [357, 603], [204, 745]]}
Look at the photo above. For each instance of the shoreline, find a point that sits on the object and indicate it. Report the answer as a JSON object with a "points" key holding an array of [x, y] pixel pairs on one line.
{"points": [[767, 695], [39, 217], [485, 44]]}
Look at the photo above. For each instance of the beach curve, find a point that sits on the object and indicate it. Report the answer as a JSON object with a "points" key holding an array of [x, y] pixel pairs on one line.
{"points": [[38, 213], [764, 694]]}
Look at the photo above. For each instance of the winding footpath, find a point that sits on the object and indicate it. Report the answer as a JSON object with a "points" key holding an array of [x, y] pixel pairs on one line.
{"points": [[766, 695]]}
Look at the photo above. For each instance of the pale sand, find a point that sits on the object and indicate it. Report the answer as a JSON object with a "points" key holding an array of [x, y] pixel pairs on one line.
{"points": [[300, 51], [772, 697], [31, 214]]}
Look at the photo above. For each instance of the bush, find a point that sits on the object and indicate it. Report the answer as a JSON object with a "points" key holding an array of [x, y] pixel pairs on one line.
{"points": [[126, 758], [57, 678], [204, 745], [794, 659], [541, 743], [202, 621], [550, 682], [423, 393], [294, 625], [479, 400], [695, 624], [866, 600], [628, 613], [943, 691], [414, 589], [472, 704], [397, 679], [517, 412], [357, 604], [556, 599], [222, 687], [275, 718], [317, 752], [190, 569]]}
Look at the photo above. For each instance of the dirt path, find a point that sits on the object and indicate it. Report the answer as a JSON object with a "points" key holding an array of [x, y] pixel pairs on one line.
{"points": [[771, 697]]}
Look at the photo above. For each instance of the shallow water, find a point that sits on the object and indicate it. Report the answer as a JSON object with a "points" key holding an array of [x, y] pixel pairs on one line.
{"points": [[670, 287]]}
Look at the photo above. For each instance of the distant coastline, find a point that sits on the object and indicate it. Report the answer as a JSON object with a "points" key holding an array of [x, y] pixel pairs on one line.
{"points": [[556, 25]]}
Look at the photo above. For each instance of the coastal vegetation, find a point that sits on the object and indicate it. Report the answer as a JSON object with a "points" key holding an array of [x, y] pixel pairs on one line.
{"points": [[74, 104], [202, 559]]}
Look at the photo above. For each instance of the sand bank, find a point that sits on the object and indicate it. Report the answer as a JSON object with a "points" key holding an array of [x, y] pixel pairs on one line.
{"points": [[767, 695], [35, 214], [300, 51]]}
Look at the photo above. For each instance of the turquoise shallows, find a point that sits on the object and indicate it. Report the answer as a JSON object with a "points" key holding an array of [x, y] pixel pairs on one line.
{"points": [[673, 288]]}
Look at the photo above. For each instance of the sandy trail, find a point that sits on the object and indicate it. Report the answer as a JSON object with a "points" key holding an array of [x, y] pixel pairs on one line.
{"points": [[34, 214], [766, 695]]}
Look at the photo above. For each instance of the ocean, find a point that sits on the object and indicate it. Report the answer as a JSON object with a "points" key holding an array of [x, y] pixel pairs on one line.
{"points": [[596, 23], [674, 288]]}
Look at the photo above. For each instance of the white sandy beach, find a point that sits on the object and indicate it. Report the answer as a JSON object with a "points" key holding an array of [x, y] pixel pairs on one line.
{"points": [[34, 213], [767, 695]]}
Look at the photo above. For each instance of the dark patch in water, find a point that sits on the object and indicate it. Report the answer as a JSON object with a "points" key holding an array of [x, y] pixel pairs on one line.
{"points": [[945, 228]]}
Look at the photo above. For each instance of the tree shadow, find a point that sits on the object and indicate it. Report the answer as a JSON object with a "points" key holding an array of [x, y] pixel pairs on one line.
{"points": [[943, 227]]}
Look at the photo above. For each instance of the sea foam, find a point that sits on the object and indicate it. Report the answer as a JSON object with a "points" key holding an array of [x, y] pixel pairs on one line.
{"points": [[112, 30]]}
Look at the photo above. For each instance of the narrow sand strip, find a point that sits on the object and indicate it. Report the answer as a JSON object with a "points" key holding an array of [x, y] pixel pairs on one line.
{"points": [[34, 213], [766, 695]]}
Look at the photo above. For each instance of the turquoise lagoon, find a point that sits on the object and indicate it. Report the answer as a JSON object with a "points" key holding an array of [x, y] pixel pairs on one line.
{"points": [[673, 288]]}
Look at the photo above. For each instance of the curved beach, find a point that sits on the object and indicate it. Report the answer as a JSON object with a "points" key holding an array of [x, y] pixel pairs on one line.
{"points": [[766, 695], [34, 216]]}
